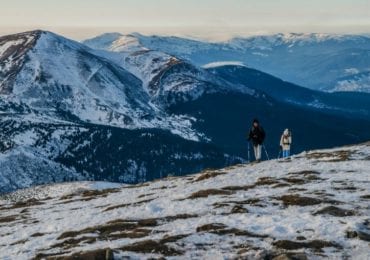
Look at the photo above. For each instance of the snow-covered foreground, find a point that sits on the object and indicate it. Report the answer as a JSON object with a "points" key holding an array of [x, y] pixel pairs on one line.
{"points": [[317, 205]]}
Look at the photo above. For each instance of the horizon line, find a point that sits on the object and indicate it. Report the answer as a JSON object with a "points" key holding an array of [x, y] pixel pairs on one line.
{"points": [[92, 32]]}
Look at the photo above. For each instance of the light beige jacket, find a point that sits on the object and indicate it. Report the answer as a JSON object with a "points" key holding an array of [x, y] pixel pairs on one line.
{"points": [[285, 142]]}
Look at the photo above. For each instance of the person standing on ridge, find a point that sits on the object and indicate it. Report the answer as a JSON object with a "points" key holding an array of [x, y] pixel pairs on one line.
{"points": [[257, 136], [285, 143]]}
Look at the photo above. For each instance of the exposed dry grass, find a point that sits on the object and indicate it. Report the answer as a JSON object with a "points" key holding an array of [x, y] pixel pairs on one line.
{"points": [[86, 195], [38, 234], [335, 211], [260, 182], [115, 229], [346, 187], [287, 256], [99, 193], [209, 192], [209, 174], [8, 219], [296, 181], [154, 246], [145, 195], [304, 173], [102, 230], [239, 188], [337, 156], [238, 210], [27, 203], [297, 200], [49, 256], [98, 254], [266, 181], [316, 245], [222, 229], [124, 205], [253, 202]]}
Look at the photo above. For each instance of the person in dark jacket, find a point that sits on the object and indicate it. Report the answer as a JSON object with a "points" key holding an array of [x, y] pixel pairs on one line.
{"points": [[257, 137]]}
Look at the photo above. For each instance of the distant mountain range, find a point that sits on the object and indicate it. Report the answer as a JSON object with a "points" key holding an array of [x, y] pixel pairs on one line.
{"points": [[317, 61], [112, 108]]}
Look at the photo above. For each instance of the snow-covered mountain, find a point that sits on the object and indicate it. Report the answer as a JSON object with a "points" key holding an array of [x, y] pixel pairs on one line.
{"points": [[152, 65], [355, 81], [294, 40], [70, 112], [63, 106], [115, 42], [57, 75], [133, 52], [165, 77], [348, 103], [327, 58], [314, 206]]}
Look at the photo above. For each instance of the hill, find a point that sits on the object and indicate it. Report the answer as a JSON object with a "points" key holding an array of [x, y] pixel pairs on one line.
{"points": [[313, 206]]}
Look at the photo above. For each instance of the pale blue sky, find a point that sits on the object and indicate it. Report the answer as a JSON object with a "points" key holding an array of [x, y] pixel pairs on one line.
{"points": [[213, 19]]}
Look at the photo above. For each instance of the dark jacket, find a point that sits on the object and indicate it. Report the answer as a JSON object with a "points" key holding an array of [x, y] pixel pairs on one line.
{"points": [[257, 135]]}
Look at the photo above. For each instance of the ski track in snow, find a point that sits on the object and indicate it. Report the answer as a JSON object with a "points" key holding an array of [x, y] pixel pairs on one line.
{"points": [[249, 199]]}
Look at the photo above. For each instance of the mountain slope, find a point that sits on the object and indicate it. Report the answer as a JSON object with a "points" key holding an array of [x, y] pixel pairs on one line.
{"points": [[69, 112], [12, 55], [222, 115], [351, 104], [64, 77], [150, 65], [165, 77], [359, 82], [314, 206], [64, 106], [226, 120], [326, 58]]}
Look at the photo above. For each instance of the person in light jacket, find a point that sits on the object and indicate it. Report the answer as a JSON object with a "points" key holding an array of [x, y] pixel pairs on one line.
{"points": [[285, 143]]}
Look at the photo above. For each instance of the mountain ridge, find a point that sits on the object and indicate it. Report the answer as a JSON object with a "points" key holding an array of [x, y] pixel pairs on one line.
{"points": [[327, 57], [134, 116]]}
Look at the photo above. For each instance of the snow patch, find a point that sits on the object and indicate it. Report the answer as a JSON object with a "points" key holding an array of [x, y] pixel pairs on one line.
{"points": [[249, 209], [223, 63]]}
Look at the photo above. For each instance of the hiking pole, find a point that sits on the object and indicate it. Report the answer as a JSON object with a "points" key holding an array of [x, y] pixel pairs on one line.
{"points": [[279, 154], [267, 155], [249, 153]]}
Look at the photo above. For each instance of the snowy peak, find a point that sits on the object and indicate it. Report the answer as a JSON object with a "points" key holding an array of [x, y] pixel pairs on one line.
{"points": [[115, 42], [174, 45], [290, 40], [164, 76], [326, 57], [64, 78], [11, 44], [12, 53], [126, 43], [137, 41], [62, 72], [102, 41], [312, 206]]}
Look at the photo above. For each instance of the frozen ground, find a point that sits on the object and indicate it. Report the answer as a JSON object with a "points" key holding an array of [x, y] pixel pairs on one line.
{"points": [[315, 206]]}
